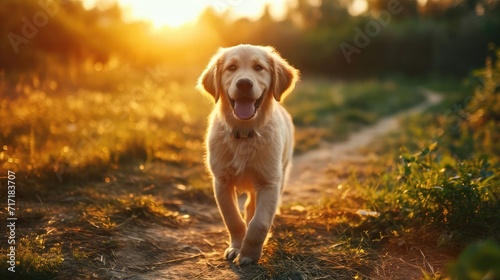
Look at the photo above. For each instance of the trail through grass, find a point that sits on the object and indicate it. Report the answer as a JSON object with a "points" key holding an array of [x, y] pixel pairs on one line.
{"points": [[308, 181], [120, 191]]}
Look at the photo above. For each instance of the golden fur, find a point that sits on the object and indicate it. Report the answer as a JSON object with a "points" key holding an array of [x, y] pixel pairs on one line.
{"points": [[249, 147]]}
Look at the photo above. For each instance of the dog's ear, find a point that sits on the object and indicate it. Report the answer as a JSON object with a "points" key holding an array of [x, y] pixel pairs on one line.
{"points": [[208, 82], [285, 76]]}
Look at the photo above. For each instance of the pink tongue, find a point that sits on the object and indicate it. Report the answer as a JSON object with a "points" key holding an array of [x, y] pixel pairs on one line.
{"points": [[244, 109]]}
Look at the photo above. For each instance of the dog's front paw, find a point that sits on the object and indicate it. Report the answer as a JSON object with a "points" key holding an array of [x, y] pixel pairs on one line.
{"points": [[231, 253], [248, 256], [240, 260]]}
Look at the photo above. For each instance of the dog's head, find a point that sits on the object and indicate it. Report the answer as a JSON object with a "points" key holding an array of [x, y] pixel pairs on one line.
{"points": [[246, 77]]}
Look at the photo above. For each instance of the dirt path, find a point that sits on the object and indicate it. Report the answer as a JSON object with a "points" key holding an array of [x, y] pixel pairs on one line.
{"points": [[307, 180], [195, 251]]}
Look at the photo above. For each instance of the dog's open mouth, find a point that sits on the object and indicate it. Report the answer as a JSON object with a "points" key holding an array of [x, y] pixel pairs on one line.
{"points": [[245, 108]]}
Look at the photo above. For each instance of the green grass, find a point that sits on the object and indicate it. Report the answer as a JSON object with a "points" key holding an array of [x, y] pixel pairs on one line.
{"points": [[442, 187], [325, 110], [69, 137], [63, 136], [104, 166], [36, 259]]}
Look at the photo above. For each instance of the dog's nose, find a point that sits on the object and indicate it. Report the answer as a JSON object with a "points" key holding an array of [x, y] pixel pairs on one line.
{"points": [[244, 84]]}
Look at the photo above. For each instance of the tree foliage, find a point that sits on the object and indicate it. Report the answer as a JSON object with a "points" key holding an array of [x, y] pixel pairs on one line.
{"points": [[436, 39]]}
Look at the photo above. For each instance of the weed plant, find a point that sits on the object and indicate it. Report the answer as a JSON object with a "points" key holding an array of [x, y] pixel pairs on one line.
{"points": [[443, 186]]}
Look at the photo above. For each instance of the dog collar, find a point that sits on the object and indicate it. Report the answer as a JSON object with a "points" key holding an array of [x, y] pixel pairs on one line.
{"points": [[238, 135]]}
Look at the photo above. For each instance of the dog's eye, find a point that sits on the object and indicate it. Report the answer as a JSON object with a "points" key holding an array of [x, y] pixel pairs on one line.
{"points": [[258, 67], [232, 67]]}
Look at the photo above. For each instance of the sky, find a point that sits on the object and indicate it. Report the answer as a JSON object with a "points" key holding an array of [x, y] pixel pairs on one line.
{"points": [[175, 13]]}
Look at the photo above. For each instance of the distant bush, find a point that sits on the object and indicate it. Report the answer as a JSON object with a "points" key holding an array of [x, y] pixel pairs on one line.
{"points": [[474, 129]]}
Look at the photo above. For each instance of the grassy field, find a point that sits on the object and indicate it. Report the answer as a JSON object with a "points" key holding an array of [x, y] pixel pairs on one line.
{"points": [[111, 183], [327, 111], [79, 134]]}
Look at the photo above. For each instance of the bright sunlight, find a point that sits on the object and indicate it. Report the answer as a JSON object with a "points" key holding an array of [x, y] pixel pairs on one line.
{"points": [[161, 13], [174, 14], [177, 13]]}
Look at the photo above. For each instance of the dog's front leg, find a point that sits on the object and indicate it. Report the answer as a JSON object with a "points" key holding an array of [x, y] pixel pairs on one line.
{"points": [[258, 228], [225, 194]]}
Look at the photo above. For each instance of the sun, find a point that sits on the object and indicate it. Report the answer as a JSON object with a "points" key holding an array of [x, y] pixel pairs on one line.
{"points": [[164, 13], [358, 7], [175, 13]]}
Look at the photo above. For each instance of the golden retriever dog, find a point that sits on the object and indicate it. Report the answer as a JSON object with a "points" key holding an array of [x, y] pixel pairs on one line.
{"points": [[249, 141]]}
